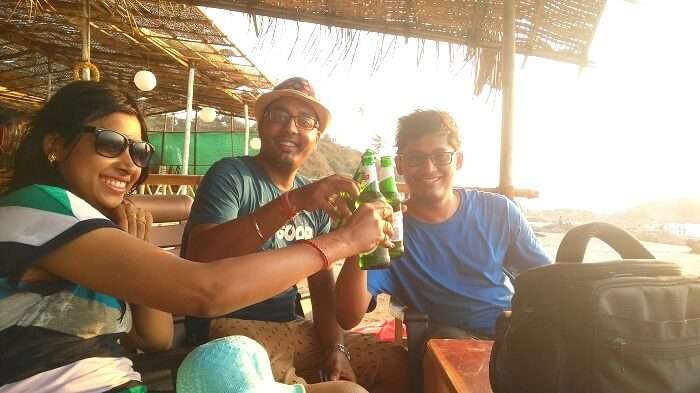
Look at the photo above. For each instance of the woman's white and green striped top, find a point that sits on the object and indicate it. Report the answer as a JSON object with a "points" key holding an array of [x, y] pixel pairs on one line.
{"points": [[48, 324]]}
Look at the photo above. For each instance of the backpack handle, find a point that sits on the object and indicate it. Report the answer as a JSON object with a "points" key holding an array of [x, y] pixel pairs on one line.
{"points": [[573, 246]]}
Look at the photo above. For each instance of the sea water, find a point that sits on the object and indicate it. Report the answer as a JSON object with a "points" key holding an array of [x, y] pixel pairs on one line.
{"points": [[597, 251]]}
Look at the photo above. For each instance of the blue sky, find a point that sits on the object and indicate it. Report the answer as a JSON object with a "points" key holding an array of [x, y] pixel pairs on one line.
{"points": [[606, 137]]}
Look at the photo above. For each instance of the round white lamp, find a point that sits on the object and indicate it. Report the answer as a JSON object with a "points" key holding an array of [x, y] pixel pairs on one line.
{"points": [[145, 80], [207, 114], [254, 143]]}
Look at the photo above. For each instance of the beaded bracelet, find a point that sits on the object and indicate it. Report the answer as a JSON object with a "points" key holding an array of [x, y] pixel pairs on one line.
{"points": [[326, 262], [288, 210]]}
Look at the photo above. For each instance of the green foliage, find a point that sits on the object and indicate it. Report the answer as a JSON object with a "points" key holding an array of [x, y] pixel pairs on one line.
{"points": [[330, 158], [377, 143]]}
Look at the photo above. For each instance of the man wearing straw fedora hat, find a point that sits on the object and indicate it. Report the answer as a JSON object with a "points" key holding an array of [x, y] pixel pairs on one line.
{"points": [[264, 203]]}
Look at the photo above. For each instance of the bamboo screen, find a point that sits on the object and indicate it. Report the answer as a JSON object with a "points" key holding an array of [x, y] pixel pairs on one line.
{"points": [[556, 29], [39, 38]]}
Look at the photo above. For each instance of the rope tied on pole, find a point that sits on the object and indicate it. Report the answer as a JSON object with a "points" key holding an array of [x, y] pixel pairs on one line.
{"points": [[78, 71]]}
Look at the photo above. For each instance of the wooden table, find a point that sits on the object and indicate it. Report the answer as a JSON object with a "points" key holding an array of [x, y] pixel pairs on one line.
{"points": [[457, 366]]}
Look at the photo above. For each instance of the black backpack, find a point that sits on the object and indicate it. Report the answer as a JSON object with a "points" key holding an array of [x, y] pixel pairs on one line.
{"points": [[613, 327]]}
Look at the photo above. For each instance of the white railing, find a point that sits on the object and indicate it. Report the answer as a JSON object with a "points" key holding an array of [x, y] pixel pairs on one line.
{"points": [[170, 185]]}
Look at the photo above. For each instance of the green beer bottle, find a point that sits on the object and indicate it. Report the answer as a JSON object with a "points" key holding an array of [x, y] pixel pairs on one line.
{"points": [[369, 192], [387, 185], [361, 183]]}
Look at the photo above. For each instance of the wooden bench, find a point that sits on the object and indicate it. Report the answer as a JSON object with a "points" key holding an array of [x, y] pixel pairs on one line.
{"points": [[170, 214]]}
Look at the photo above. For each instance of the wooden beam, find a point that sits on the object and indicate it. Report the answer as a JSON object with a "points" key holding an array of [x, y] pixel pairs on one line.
{"points": [[85, 36], [180, 180], [505, 181]]}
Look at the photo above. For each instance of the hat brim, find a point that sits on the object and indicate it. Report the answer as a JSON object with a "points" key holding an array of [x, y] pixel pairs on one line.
{"points": [[324, 115]]}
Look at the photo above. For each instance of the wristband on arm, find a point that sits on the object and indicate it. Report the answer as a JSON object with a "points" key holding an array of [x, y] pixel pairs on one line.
{"points": [[326, 262]]}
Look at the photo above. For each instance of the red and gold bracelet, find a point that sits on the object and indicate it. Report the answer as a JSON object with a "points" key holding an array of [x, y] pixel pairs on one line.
{"points": [[326, 262], [288, 210]]}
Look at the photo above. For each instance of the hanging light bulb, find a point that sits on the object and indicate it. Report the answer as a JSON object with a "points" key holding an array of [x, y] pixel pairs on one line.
{"points": [[207, 114], [254, 143], [145, 80]]}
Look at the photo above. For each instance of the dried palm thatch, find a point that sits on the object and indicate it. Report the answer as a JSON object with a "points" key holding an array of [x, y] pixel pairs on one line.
{"points": [[40, 42], [555, 29]]}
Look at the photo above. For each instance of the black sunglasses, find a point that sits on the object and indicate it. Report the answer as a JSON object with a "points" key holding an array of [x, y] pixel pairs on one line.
{"points": [[110, 144]]}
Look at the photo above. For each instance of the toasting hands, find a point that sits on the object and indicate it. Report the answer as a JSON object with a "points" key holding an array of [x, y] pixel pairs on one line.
{"points": [[325, 194], [370, 226]]}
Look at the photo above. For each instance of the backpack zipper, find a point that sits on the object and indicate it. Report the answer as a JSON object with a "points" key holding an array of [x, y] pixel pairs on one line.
{"points": [[619, 344]]}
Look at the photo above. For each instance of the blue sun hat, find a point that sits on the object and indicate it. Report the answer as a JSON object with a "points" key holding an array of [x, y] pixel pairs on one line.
{"points": [[234, 364]]}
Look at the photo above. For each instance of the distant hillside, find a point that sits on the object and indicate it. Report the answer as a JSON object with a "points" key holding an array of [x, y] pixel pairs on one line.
{"points": [[563, 216], [685, 210], [330, 158]]}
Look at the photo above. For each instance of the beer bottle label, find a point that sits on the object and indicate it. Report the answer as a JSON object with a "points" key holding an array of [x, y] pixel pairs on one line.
{"points": [[387, 182], [369, 177], [398, 226]]}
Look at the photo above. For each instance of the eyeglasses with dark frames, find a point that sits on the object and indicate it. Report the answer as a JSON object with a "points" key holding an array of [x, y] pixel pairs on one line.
{"points": [[438, 158], [110, 144], [302, 122]]}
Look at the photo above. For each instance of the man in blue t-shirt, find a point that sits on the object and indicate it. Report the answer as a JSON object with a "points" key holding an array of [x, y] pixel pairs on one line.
{"points": [[250, 204], [461, 246]]}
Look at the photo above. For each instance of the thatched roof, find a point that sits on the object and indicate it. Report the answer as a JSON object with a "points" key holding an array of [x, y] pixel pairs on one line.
{"points": [[126, 36], [554, 29]]}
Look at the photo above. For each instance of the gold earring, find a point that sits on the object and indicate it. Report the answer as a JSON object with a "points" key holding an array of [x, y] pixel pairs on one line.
{"points": [[51, 157]]}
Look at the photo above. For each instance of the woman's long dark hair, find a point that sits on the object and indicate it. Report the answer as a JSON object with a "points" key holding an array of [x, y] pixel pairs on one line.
{"points": [[66, 113]]}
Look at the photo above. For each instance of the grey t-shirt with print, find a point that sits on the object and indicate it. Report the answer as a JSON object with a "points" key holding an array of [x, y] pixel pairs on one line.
{"points": [[235, 187]]}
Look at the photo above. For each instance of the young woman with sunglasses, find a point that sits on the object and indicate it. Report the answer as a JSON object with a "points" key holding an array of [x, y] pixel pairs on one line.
{"points": [[75, 271]]}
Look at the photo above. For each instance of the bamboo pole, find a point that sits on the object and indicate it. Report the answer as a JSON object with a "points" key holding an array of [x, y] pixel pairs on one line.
{"points": [[85, 34], [196, 129], [188, 121], [247, 130], [505, 182]]}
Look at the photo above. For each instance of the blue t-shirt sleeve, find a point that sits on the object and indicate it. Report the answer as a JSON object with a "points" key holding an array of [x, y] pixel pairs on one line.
{"points": [[219, 195], [379, 281], [524, 251]]}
